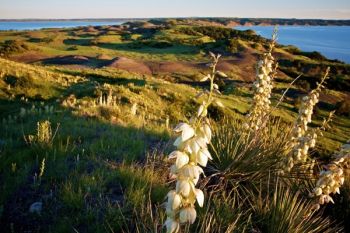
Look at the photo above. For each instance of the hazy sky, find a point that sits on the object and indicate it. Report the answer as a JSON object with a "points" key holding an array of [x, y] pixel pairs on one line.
{"points": [[327, 9]]}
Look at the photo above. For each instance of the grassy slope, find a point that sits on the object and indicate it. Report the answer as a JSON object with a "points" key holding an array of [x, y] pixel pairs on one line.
{"points": [[90, 164]]}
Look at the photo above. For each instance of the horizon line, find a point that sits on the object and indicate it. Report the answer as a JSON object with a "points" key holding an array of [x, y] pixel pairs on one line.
{"points": [[179, 17]]}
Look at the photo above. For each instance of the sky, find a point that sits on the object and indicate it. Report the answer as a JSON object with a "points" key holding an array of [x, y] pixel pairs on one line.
{"points": [[68, 9]]}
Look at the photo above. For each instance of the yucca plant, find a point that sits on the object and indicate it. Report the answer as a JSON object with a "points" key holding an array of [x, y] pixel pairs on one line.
{"points": [[249, 169], [287, 211], [223, 212], [247, 158], [239, 157]]}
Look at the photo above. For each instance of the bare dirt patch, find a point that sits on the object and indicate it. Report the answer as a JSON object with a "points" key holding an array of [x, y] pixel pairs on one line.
{"points": [[67, 60], [29, 57], [104, 57], [173, 67], [130, 65]]}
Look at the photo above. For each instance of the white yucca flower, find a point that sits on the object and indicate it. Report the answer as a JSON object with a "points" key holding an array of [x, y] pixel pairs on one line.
{"points": [[174, 200], [332, 178], [186, 131], [181, 158], [172, 225], [262, 89], [188, 214], [191, 153], [302, 138]]}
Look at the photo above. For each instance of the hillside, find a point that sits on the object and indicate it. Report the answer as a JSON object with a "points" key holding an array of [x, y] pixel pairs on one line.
{"points": [[112, 94]]}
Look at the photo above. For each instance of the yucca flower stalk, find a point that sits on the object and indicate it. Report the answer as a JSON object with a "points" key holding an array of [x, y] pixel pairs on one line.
{"points": [[265, 73], [302, 138], [190, 156], [332, 177], [42, 168]]}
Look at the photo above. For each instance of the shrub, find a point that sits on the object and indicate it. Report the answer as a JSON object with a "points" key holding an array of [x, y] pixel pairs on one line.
{"points": [[313, 55], [10, 47], [221, 33], [41, 39], [157, 44], [235, 46]]}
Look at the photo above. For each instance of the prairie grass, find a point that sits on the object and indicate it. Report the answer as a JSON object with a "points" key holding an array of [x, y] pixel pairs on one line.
{"points": [[106, 170]]}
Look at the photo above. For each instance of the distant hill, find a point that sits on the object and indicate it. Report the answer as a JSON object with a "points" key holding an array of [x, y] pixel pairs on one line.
{"points": [[277, 21], [227, 21]]}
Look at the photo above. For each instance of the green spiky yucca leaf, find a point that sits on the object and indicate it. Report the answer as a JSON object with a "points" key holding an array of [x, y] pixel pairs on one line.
{"points": [[286, 211]]}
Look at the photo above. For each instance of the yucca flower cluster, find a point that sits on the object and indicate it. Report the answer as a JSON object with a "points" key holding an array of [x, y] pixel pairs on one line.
{"points": [[302, 138], [262, 89], [190, 156], [332, 177]]}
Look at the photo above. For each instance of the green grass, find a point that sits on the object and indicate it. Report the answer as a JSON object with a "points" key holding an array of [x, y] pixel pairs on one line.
{"points": [[106, 170]]}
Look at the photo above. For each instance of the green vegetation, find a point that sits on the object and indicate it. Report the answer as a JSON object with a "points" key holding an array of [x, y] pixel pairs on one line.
{"points": [[9, 47], [86, 117]]}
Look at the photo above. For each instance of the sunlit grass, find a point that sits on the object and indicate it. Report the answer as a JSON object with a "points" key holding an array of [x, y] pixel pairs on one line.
{"points": [[106, 171]]}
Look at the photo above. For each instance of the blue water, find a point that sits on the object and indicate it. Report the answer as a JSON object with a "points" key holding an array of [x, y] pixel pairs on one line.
{"points": [[34, 25], [331, 41]]}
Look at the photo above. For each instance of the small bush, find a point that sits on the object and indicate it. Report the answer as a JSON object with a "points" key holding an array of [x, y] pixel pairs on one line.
{"points": [[10, 47], [41, 39], [235, 46]]}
